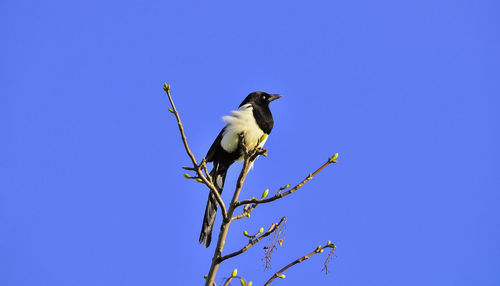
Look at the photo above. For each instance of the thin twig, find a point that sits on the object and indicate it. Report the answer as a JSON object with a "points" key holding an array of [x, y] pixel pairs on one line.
{"points": [[280, 195], [228, 281], [251, 242], [327, 260], [245, 213], [204, 166], [299, 260], [196, 167], [278, 238]]}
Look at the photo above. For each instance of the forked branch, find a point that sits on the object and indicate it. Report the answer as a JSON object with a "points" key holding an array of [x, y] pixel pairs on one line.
{"points": [[255, 202], [254, 239], [319, 249], [196, 168]]}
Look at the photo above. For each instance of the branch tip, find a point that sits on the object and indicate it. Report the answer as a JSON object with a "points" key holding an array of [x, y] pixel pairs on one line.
{"points": [[333, 159], [166, 87]]}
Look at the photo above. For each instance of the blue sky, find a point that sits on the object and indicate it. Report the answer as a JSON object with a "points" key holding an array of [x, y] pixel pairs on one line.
{"points": [[91, 190]]}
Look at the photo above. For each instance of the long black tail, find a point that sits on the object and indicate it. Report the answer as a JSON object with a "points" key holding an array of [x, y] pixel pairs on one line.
{"points": [[218, 175]]}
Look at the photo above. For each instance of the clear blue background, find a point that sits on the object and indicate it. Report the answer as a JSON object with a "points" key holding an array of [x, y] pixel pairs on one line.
{"points": [[91, 190]]}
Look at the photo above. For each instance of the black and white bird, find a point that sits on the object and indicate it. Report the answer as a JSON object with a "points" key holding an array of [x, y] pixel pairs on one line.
{"points": [[254, 120]]}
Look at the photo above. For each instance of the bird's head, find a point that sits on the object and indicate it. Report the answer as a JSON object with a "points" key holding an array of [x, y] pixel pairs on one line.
{"points": [[260, 98]]}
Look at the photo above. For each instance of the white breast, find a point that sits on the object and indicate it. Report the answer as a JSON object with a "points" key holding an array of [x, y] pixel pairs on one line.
{"points": [[239, 121]]}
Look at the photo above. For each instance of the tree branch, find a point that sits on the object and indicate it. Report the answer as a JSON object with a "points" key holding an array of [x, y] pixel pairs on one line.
{"points": [[246, 213], [319, 249], [280, 195], [253, 240], [197, 168]]}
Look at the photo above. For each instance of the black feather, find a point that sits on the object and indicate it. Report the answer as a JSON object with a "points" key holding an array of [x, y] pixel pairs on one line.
{"points": [[218, 174]]}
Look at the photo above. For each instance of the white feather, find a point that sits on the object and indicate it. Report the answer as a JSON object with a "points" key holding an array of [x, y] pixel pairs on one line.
{"points": [[239, 121]]}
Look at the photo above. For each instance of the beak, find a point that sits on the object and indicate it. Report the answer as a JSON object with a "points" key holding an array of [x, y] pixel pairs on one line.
{"points": [[273, 97]]}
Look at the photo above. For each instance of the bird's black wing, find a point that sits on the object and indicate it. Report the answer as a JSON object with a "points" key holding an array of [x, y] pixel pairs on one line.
{"points": [[212, 152]]}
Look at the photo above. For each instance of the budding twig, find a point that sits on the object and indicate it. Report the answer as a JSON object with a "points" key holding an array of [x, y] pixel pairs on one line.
{"points": [[233, 274], [254, 239], [319, 249], [197, 168], [280, 195]]}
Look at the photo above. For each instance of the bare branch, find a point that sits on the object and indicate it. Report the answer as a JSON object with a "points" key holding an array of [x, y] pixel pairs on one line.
{"points": [[197, 168], [319, 249], [204, 166], [278, 237], [253, 240], [327, 260], [280, 195], [166, 87], [228, 281]]}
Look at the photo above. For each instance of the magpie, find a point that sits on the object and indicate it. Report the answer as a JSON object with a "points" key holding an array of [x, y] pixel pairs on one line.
{"points": [[254, 120]]}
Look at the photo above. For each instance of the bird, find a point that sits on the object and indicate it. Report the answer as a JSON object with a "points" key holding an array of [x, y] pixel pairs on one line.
{"points": [[254, 120]]}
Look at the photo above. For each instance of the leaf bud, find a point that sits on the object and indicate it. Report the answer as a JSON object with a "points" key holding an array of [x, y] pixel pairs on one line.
{"points": [[265, 193], [166, 87]]}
